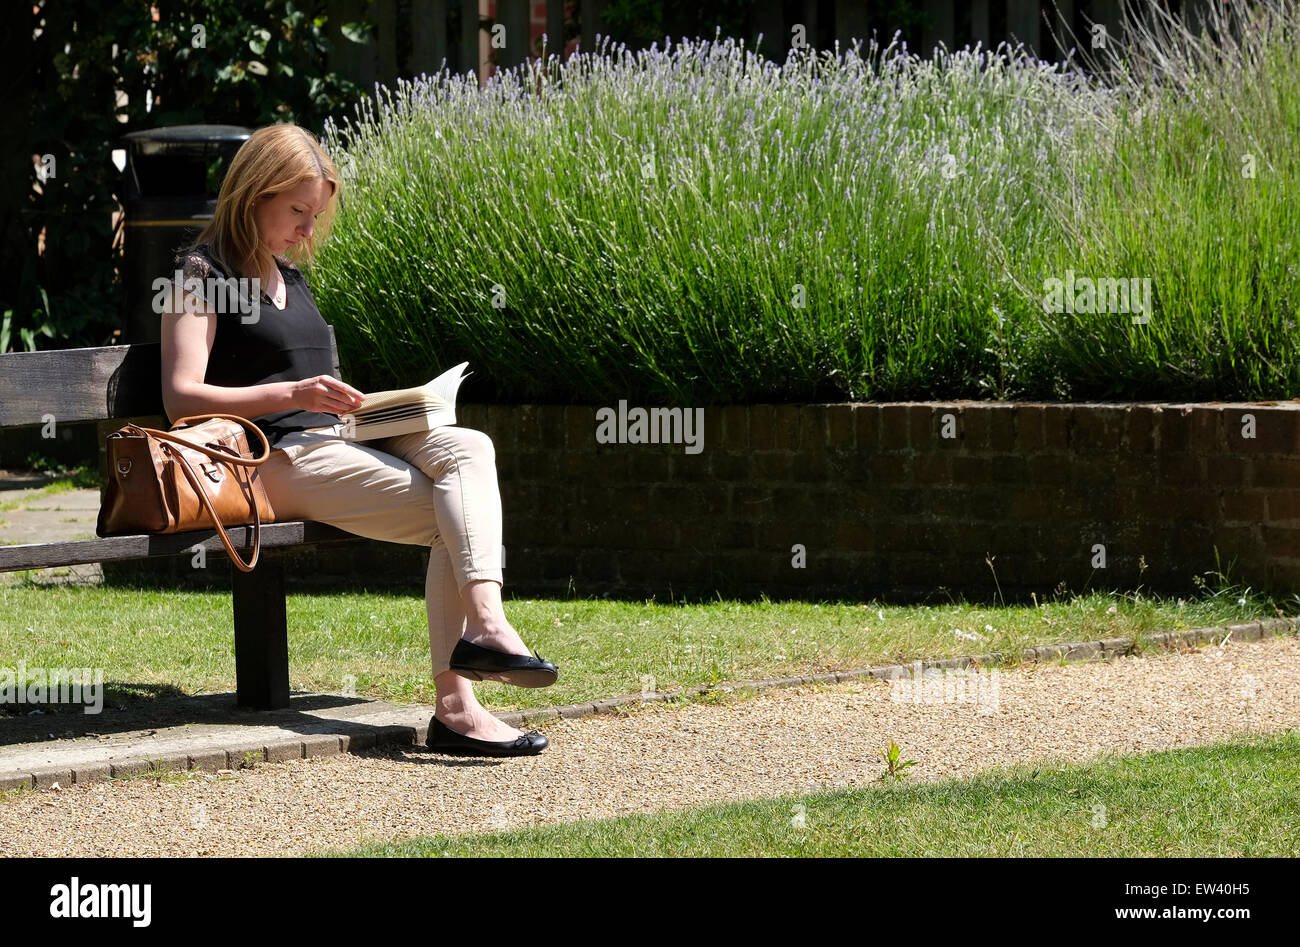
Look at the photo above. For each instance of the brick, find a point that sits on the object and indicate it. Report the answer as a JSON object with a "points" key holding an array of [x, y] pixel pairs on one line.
{"points": [[1277, 430], [363, 738], [1029, 427], [528, 437], [1009, 468], [931, 467], [1182, 469], [894, 421], [503, 425], [473, 416], [735, 426], [550, 425], [660, 535], [1139, 429], [839, 426], [1276, 472], [128, 767], [1174, 431], [571, 711], [648, 466], [1032, 505], [866, 426], [812, 428], [1093, 472], [711, 436], [1283, 576], [922, 427], [809, 467], [44, 779], [1002, 427], [950, 503], [1250, 631], [1281, 541], [890, 468], [973, 428], [1097, 429], [771, 465], [1229, 470], [1058, 419], [969, 470], [12, 781], [1116, 646], [946, 434], [792, 502], [785, 427], [687, 468], [208, 761], [730, 464], [172, 763], [1245, 542], [92, 773], [600, 565], [579, 427], [762, 426], [1083, 651], [1283, 506], [736, 534], [539, 715], [846, 464], [1205, 430], [859, 505], [852, 537], [322, 744], [1137, 470]]}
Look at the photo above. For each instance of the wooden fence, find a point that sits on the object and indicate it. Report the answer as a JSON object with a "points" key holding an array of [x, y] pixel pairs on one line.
{"points": [[411, 37]]}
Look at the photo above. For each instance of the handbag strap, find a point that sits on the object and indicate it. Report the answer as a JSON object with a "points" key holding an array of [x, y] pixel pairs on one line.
{"points": [[197, 484], [221, 453]]}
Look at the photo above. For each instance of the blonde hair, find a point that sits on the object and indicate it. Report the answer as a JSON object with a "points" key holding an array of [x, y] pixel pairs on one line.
{"points": [[274, 159]]}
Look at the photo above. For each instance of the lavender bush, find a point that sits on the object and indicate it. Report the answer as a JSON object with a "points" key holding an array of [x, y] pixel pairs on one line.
{"points": [[699, 224]]}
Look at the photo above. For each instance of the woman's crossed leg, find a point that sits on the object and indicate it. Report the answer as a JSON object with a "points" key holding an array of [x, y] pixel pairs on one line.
{"points": [[436, 488]]}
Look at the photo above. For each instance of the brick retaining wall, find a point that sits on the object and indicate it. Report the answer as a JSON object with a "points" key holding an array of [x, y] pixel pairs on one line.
{"points": [[885, 504], [882, 502]]}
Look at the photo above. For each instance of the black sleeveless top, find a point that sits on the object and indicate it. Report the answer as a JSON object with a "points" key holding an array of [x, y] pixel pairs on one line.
{"points": [[287, 344]]}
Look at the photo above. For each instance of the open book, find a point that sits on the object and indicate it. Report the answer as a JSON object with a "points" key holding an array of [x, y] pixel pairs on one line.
{"points": [[407, 410]]}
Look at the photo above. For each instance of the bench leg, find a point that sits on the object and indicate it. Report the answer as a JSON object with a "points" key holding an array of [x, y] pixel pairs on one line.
{"points": [[261, 635]]}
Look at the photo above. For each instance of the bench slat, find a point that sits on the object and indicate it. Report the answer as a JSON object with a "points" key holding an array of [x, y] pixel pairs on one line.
{"points": [[116, 381], [97, 384], [119, 548]]}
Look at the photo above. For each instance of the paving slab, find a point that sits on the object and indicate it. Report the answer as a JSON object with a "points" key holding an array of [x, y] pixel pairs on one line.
{"points": [[206, 732]]}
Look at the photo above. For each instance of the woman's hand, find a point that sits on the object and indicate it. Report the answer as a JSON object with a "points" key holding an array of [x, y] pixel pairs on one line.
{"points": [[326, 394]]}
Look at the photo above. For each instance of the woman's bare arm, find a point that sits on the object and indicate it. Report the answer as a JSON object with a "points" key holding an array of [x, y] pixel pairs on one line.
{"points": [[186, 344]]}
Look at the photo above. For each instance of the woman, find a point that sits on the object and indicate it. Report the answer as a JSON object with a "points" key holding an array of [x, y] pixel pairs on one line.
{"points": [[436, 488]]}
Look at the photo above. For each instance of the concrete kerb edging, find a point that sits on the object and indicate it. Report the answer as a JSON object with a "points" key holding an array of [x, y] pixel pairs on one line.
{"points": [[317, 745]]}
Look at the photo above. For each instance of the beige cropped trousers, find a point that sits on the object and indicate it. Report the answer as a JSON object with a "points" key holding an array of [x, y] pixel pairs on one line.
{"points": [[434, 488]]}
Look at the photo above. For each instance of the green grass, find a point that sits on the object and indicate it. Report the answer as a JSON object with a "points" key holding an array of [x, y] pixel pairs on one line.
{"points": [[1233, 799], [155, 642], [870, 227]]}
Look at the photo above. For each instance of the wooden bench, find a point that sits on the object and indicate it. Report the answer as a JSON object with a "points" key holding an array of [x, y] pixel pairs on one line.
{"points": [[124, 382]]}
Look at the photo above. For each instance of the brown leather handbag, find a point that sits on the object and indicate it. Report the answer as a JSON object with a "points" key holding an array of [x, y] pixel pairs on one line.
{"points": [[200, 476]]}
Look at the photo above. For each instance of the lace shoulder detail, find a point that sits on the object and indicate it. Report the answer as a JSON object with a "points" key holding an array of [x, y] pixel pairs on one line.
{"points": [[197, 267], [290, 267]]}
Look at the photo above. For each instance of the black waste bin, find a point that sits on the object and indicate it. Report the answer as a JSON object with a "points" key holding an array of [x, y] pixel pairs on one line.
{"points": [[172, 178]]}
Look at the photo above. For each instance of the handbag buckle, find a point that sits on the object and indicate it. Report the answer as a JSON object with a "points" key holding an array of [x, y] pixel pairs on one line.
{"points": [[124, 466], [213, 472]]}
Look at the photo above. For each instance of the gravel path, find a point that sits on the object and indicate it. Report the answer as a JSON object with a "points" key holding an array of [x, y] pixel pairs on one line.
{"points": [[785, 741]]}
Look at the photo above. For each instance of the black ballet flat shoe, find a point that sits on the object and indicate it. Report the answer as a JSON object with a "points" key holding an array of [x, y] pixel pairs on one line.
{"points": [[443, 739], [488, 664]]}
